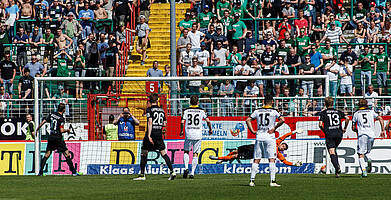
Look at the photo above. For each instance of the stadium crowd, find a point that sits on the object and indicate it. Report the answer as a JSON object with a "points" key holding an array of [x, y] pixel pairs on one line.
{"points": [[285, 37]]}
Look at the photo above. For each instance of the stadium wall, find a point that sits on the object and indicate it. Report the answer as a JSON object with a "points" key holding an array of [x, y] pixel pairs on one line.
{"points": [[106, 157]]}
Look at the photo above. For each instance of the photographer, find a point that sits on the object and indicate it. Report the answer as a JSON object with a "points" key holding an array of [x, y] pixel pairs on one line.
{"points": [[126, 125]]}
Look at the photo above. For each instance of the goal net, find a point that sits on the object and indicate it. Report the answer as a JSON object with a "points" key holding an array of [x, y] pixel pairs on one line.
{"points": [[92, 153]]}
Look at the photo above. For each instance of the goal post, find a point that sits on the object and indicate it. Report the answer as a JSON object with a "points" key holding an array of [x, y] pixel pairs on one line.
{"points": [[38, 100]]}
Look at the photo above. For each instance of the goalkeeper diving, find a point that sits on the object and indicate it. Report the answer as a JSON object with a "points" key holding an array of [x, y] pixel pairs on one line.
{"points": [[247, 151]]}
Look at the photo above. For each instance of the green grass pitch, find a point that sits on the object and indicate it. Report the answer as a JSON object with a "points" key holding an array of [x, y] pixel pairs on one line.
{"points": [[220, 186]]}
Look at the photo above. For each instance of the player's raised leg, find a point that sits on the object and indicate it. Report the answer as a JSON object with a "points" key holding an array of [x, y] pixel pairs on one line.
{"points": [[43, 162]]}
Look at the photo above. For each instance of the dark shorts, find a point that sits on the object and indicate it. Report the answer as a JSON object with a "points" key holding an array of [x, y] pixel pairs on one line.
{"points": [[333, 141], [246, 152], [240, 86], [158, 144], [55, 143]]}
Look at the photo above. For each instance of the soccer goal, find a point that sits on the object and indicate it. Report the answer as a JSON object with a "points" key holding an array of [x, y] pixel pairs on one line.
{"points": [[93, 153]]}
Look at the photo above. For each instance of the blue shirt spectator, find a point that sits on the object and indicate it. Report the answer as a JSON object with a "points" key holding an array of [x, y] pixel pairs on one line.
{"points": [[126, 125], [35, 67]]}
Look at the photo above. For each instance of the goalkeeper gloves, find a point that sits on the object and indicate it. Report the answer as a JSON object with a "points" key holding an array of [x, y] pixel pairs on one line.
{"points": [[298, 164], [298, 131]]}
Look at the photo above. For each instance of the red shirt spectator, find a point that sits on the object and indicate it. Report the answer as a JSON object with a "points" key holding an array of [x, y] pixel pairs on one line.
{"points": [[301, 22], [283, 27]]}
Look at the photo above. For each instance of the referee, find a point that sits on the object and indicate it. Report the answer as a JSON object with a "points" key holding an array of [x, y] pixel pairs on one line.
{"points": [[330, 122]]}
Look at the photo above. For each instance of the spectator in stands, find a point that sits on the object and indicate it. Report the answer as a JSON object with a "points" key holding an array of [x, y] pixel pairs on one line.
{"points": [[370, 96], [219, 37], [328, 52], [283, 27], [86, 15], [226, 90], [326, 16], [307, 68], [386, 14], [372, 32], [169, 84], [234, 58], [250, 91], [293, 61], [111, 61], [300, 23], [69, 9], [21, 51], [8, 73], [360, 34], [185, 59], [238, 30], [366, 60], [303, 43], [48, 39], [386, 33], [62, 97], [332, 19], [126, 125], [346, 74], [350, 56], [268, 41], [143, 43], [93, 60], [312, 109], [120, 34], [26, 12], [56, 13], [282, 49], [241, 70], [343, 17], [374, 9], [255, 70], [318, 29], [25, 85], [268, 61], [203, 58], [155, 72], [4, 37], [280, 69], [252, 55], [204, 19], [62, 66], [12, 14], [332, 70], [185, 24], [268, 29], [334, 34], [196, 37], [194, 70], [206, 91], [72, 28], [62, 41], [289, 12], [34, 66], [316, 59], [102, 46], [290, 42], [183, 41], [250, 41], [78, 66], [382, 69], [287, 106], [301, 103], [88, 42], [221, 7], [100, 14], [4, 104], [359, 15], [35, 39], [209, 35], [309, 12], [219, 57], [226, 21]]}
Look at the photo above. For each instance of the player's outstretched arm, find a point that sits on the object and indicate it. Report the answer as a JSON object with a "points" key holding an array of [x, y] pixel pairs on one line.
{"points": [[346, 124], [209, 125], [250, 127], [383, 132], [40, 125], [182, 124], [354, 127]]}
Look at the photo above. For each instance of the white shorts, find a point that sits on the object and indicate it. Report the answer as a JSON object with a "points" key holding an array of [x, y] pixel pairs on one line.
{"points": [[265, 149], [195, 143], [364, 144]]}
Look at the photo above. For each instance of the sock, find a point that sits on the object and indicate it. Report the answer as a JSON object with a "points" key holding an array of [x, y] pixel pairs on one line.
{"points": [[43, 163], [186, 160], [362, 164], [70, 164], [369, 157], [254, 169], [272, 168], [168, 162], [143, 163], [231, 153], [334, 160], [229, 157], [194, 163]]}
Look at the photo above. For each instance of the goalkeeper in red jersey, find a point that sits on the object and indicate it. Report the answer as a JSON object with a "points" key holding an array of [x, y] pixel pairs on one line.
{"points": [[247, 151]]}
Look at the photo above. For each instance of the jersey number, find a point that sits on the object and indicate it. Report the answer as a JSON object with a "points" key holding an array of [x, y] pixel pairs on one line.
{"points": [[364, 117], [193, 120], [158, 118], [54, 124], [333, 119], [264, 121]]}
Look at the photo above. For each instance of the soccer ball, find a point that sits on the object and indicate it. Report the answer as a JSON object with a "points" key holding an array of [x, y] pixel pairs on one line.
{"points": [[323, 169]]}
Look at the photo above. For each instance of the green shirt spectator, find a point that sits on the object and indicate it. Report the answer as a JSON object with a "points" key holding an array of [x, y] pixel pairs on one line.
{"points": [[62, 64], [204, 18], [382, 61], [327, 53], [221, 6], [239, 27], [185, 23], [302, 41], [366, 59]]}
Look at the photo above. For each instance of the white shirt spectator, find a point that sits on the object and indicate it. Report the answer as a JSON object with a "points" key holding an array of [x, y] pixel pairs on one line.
{"points": [[186, 58], [195, 39], [333, 76], [334, 35], [222, 55], [203, 56], [245, 69], [251, 91], [192, 70], [371, 101], [346, 80]]}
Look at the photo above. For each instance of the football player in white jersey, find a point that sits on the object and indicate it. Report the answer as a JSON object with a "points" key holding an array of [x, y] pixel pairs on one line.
{"points": [[193, 117], [364, 124], [265, 143]]}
